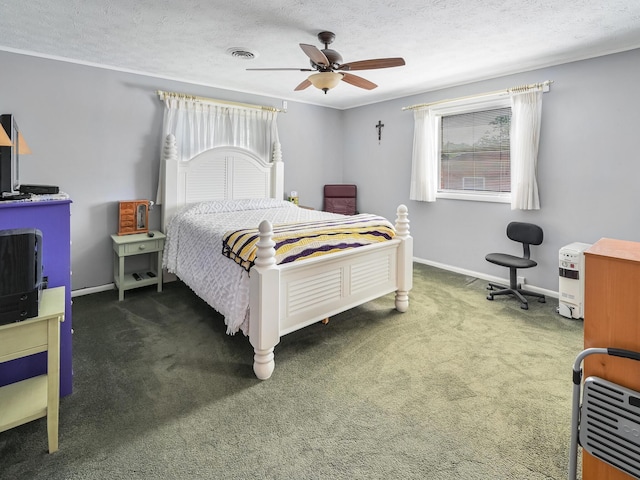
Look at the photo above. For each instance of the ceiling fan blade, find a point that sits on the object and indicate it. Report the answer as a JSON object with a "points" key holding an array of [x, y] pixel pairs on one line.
{"points": [[314, 54], [358, 81], [296, 69], [373, 63], [302, 86]]}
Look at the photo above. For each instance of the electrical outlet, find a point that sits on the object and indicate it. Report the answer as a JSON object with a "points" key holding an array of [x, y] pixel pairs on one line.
{"points": [[522, 280]]}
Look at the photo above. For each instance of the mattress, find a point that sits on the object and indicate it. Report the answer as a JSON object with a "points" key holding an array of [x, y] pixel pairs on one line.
{"points": [[193, 250]]}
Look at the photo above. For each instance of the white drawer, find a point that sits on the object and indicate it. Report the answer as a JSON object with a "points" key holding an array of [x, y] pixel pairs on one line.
{"points": [[140, 247]]}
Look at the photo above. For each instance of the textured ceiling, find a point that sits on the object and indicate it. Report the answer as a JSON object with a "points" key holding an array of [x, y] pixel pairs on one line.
{"points": [[444, 42]]}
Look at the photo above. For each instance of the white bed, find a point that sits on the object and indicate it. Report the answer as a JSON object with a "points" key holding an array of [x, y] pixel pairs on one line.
{"points": [[280, 298]]}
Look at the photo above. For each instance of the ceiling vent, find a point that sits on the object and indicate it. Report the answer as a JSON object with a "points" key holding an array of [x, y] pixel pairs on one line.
{"points": [[242, 53]]}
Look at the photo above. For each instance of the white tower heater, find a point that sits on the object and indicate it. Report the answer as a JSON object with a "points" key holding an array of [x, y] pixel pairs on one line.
{"points": [[571, 283]]}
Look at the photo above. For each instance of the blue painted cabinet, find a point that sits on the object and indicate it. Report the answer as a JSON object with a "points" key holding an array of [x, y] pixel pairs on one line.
{"points": [[53, 219]]}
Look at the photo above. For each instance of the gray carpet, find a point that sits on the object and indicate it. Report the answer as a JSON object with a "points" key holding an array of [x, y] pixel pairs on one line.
{"points": [[456, 388]]}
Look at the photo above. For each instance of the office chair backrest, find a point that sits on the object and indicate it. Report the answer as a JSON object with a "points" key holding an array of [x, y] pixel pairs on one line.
{"points": [[525, 233]]}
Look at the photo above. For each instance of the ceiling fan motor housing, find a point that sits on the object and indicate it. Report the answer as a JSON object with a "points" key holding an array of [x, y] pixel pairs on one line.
{"points": [[334, 58]]}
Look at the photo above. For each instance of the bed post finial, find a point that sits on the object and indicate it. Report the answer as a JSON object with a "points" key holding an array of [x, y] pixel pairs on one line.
{"points": [[170, 149], [266, 253], [277, 152], [402, 221]]}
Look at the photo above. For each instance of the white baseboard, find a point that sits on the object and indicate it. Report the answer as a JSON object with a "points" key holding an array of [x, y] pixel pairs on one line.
{"points": [[166, 278], [86, 291], [489, 278]]}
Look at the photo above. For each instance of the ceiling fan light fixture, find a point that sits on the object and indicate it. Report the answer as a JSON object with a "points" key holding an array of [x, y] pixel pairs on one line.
{"points": [[325, 81]]}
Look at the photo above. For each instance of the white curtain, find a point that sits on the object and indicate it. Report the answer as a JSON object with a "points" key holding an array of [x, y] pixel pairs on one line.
{"points": [[199, 126], [526, 114], [424, 167]]}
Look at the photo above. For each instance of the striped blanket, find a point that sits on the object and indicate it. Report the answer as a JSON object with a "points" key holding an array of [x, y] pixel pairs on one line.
{"points": [[296, 241]]}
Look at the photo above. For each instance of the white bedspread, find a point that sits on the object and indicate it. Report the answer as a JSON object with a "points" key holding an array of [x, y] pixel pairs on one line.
{"points": [[193, 250]]}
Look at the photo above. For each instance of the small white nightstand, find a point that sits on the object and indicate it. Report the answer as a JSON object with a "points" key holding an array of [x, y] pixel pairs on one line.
{"points": [[141, 243]]}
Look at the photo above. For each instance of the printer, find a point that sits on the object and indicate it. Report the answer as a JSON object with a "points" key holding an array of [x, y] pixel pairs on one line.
{"points": [[20, 274]]}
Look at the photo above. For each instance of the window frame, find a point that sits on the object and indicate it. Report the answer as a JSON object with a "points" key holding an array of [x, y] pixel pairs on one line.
{"points": [[461, 106]]}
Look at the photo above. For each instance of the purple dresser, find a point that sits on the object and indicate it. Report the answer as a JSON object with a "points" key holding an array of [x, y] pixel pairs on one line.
{"points": [[53, 219]]}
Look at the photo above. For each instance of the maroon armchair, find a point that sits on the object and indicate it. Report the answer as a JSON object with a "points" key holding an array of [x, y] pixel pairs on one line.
{"points": [[340, 199]]}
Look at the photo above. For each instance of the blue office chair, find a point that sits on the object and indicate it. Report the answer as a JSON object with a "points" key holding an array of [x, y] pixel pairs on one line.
{"points": [[527, 234]]}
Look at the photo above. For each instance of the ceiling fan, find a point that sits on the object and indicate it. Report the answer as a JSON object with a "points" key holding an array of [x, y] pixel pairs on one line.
{"points": [[330, 69]]}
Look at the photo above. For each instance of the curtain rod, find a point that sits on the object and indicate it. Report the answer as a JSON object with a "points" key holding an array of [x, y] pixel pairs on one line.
{"points": [[522, 88], [163, 94]]}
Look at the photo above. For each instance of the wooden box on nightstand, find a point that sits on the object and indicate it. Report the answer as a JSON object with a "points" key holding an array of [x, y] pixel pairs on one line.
{"points": [[133, 217]]}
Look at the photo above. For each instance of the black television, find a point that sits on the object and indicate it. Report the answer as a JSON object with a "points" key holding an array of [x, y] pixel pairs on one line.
{"points": [[10, 157]]}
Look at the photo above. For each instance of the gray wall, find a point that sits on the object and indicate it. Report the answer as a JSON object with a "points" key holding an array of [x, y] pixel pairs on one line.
{"points": [[96, 134], [588, 169]]}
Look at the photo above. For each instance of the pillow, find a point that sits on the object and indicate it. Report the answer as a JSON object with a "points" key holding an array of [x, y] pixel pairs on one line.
{"points": [[219, 206]]}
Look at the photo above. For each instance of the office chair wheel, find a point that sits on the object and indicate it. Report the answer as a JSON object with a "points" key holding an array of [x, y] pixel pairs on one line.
{"points": [[524, 306], [489, 297], [542, 300]]}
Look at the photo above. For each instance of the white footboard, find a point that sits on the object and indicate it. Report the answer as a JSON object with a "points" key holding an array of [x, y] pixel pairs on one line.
{"points": [[288, 297]]}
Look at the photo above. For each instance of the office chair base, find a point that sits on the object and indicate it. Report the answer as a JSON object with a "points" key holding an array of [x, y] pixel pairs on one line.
{"points": [[516, 291]]}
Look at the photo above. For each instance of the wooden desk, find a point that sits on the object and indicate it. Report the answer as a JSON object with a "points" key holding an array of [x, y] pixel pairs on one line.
{"points": [[39, 396], [611, 320]]}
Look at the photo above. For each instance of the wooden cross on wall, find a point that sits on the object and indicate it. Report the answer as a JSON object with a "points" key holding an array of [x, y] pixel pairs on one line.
{"points": [[379, 127]]}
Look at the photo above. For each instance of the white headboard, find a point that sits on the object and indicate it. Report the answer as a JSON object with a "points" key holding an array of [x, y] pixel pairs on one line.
{"points": [[222, 173]]}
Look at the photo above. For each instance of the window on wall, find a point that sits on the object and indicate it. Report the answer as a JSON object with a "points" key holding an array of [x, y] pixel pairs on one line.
{"points": [[482, 147], [474, 160], [474, 152]]}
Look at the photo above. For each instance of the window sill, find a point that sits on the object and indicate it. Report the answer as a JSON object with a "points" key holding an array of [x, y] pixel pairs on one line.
{"points": [[476, 197]]}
